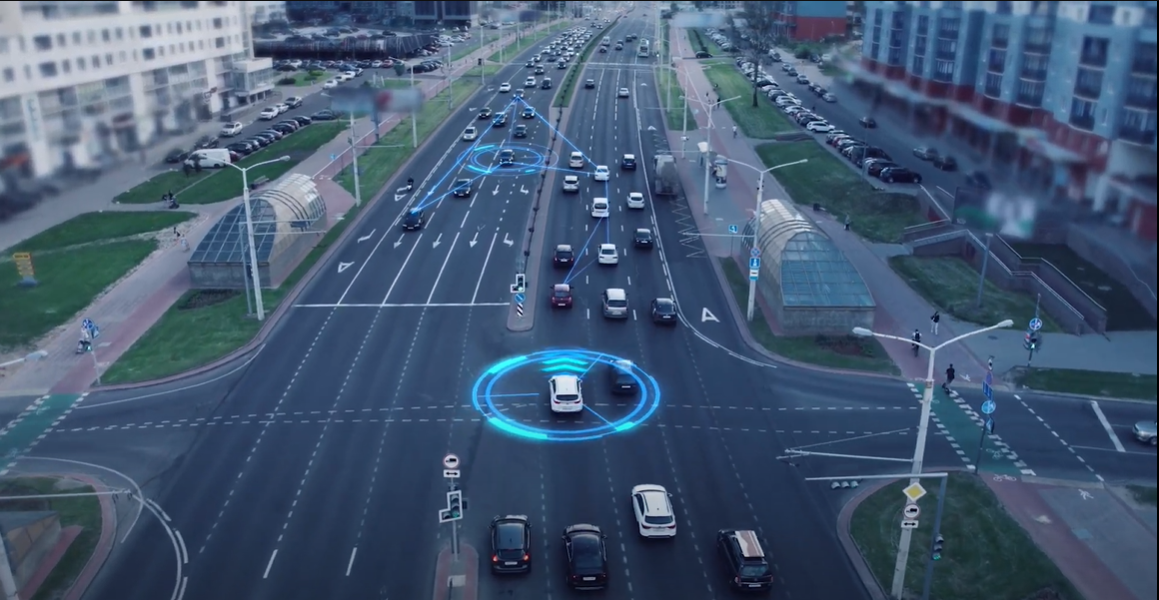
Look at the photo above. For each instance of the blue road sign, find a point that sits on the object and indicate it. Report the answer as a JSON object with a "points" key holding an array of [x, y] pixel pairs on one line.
{"points": [[1035, 324], [754, 275], [755, 252], [987, 391], [519, 298], [988, 407], [754, 263], [989, 380], [733, 229], [989, 425], [333, 157]]}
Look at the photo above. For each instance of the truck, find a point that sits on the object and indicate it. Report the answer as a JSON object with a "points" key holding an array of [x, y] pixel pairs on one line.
{"points": [[667, 179]]}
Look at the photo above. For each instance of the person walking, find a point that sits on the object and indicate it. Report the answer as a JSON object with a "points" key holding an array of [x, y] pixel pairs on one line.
{"points": [[734, 131], [917, 340], [846, 222], [950, 373], [934, 320]]}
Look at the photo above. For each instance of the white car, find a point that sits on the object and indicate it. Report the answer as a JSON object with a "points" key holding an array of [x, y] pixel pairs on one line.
{"points": [[608, 255], [231, 129], [529, 82], [602, 173], [623, 93], [269, 113], [330, 84], [566, 394], [282, 108], [600, 209], [571, 183], [576, 160], [504, 88], [819, 127], [653, 507], [469, 134], [829, 98], [635, 200]]}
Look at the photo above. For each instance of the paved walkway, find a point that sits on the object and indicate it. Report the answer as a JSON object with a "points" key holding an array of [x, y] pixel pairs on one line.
{"points": [[129, 308]]}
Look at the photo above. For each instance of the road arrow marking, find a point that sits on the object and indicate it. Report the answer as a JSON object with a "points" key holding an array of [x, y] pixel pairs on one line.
{"points": [[496, 192], [524, 190], [399, 242], [438, 241], [367, 236], [651, 128], [507, 240], [474, 239], [398, 197], [706, 316], [342, 266]]}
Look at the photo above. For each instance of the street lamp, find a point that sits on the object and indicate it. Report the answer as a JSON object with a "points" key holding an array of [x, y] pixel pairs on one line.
{"points": [[923, 425], [757, 219], [249, 230]]}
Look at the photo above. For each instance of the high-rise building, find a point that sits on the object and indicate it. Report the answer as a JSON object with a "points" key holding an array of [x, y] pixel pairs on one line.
{"points": [[86, 81], [1058, 97], [807, 20], [266, 11], [451, 13]]}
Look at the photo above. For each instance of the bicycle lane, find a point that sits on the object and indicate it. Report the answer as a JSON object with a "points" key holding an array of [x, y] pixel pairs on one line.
{"points": [[25, 431]]}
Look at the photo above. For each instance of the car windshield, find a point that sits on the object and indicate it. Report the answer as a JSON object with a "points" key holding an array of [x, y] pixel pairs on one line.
{"points": [[586, 553], [563, 253], [665, 307], [754, 570], [412, 217], [463, 183], [618, 303], [643, 235], [566, 397]]}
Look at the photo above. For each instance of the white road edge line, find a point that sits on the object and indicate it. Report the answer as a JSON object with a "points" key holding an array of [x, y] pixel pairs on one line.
{"points": [[270, 564], [350, 564], [486, 260], [1107, 427]]}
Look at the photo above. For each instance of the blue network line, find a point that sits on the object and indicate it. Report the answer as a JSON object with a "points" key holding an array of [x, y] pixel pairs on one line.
{"points": [[572, 273], [598, 416]]}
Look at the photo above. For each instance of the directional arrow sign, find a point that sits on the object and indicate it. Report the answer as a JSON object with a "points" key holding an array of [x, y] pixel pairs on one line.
{"points": [[706, 316], [496, 192], [438, 241], [651, 128], [474, 239], [507, 240], [367, 236], [342, 266], [398, 196]]}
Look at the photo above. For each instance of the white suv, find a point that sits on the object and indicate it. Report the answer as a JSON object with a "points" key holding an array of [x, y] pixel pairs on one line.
{"points": [[653, 507], [566, 394], [600, 208], [602, 173]]}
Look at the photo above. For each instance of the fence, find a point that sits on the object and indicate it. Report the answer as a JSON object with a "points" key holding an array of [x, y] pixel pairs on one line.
{"points": [[1093, 312]]}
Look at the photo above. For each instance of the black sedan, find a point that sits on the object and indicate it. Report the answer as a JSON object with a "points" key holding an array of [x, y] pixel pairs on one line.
{"points": [[587, 557], [664, 311], [205, 141], [324, 115], [900, 175], [519, 131], [176, 155], [500, 120], [510, 544], [462, 188], [620, 378], [414, 220], [564, 256], [485, 114], [643, 238]]}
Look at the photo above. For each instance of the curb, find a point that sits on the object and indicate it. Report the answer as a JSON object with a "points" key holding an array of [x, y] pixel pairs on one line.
{"points": [[105, 543]]}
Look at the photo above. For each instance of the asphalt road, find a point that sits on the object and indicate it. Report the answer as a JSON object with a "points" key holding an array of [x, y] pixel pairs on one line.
{"points": [[314, 471]]}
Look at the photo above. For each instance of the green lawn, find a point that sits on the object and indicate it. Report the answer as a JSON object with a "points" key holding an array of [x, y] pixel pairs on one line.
{"points": [[1089, 383], [840, 352], [219, 185], [676, 114], [68, 283], [951, 284], [380, 162], [698, 40], [81, 511], [301, 78], [98, 227], [761, 122], [826, 180], [986, 554], [1143, 494]]}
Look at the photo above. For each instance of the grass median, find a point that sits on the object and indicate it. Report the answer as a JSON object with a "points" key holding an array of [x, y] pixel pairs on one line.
{"points": [[986, 554], [761, 122], [1131, 386], [203, 326], [73, 511], [839, 352], [301, 78], [218, 185], [74, 262], [700, 42], [826, 180]]}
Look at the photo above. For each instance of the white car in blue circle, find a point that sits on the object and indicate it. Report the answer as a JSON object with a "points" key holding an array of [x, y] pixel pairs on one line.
{"points": [[566, 394]]}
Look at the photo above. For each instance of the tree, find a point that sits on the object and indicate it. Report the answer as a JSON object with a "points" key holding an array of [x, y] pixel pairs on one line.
{"points": [[761, 28], [399, 68]]}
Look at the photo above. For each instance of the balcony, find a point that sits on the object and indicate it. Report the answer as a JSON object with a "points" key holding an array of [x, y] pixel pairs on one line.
{"points": [[946, 55], [1085, 122], [1144, 64], [1031, 74], [992, 90], [1137, 136], [897, 24], [996, 66], [1000, 43], [947, 33], [1145, 102], [1087, 92], [1038, 42], [1033, 100], [1094, 53]]}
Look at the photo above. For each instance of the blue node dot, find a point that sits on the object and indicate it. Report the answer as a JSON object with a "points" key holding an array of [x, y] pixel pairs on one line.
{"points": [[484, 160], [575, 361]]}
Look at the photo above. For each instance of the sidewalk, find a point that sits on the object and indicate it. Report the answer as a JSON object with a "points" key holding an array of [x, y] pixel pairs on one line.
{"points": [[127, 310], [899, 309]]}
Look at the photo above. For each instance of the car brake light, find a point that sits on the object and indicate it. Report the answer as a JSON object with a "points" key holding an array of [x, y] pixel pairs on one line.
{"points": [[672, 526], [494, 558], [526, 557]]}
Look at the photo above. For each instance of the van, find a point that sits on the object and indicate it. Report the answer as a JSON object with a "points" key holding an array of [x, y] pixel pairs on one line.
{"points": [[576, 160], [212, 158], [615, 303], [545, 84]]}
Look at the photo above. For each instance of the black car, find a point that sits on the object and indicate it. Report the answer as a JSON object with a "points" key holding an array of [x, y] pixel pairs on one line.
{"points": [[564, 256], [414, 220], [877, 165], [979, 180], [945, 163], [324, 115], [205, 141], [500, 120], [176, 155], [744, 559], [620, 378], [900, 175], [664, 311], [241, 148], [528, 112], [506, 157], [587, 557], [485, 114], [284, 128], [703, 54], [643, 238], [510, 544], [520, 131], [462, 188], [303, 120], [628, 163]]}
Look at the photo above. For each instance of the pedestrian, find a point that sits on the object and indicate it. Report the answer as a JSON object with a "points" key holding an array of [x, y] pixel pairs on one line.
{"points": [[949, 378], [917, 338], [934, 320], [734, 131], [185, 168], [846, 222]]}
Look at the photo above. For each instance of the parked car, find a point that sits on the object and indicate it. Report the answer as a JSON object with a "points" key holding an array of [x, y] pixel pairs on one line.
{"points": [[945, 163], [925, 153], [900, 175], [868, 122]]}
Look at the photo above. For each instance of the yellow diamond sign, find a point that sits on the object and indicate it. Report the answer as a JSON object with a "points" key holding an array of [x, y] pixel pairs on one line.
{"points": [[914, 491]]}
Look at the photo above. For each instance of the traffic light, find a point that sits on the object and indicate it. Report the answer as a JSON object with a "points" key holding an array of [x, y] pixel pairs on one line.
{"points": [[454, 505], [939, 543], [1032, 341], [249, 271], [520, 283]]}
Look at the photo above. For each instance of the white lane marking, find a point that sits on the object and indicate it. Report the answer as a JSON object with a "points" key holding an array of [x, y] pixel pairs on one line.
{"points": [[402, 268], [270, 565], [1107, 427], [442, 268], [486, 260], [350, 565]]}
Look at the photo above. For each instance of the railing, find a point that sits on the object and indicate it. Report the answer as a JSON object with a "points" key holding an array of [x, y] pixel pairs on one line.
{"points": [[914, 233], [1094, 314], [1034, 100], [1137, 136], [1086, 122]]}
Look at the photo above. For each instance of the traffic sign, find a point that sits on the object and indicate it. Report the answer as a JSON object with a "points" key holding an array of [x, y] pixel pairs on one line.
{"points": [[755, 252], [909, 524], [989, 425], [451, 473], [754, 263], [988, 407], [914, 491], [519, 298], [1035, 324], [754, 274], [450, 461], [987, 391], [733, 229], [911, 512]]}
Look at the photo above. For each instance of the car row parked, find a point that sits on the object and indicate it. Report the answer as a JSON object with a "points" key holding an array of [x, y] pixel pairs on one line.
{"points": [[875, 162], [720, 39], [276, 131]]}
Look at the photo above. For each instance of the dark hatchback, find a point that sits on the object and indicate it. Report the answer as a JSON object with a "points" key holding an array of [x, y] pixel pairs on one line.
{"points": [[462, 188], [414, 220], [643, 238], [664, 311], [506, 157], [485, 113], [620, 378], [564, 256], [510, 544], [519, 131], [900, 175], [587, 557], [500, 120], [176, 155]]}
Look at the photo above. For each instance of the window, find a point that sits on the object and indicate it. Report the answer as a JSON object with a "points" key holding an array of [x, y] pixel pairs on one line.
{"points": [[1089, 82], [76, 38], [150, 54], [61, 40], [943, 70], [80, 63], [120, 33], [1141, 91], [42, 42], [1082, 113], [220, 43], [66, 67], [9, 75], [923, 23], [92, 37], [947, 49], [105, 35], [1030, 92], [1139, 120], [996, 61], [146, 31], [1094, 51], [918, 66], [218, 23], [1000, 35], [920, 45], [1145, 60], [1101, 14], [108, 59], [48, 69], [993, 85], [895, 57]]}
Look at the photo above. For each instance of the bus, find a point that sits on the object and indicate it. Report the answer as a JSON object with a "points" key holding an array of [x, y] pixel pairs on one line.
{"points": [[643, 51]]}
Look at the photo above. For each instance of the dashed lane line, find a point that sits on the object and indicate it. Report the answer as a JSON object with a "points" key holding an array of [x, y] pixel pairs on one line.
{"points": [[1001, 450], [1062, 441]]}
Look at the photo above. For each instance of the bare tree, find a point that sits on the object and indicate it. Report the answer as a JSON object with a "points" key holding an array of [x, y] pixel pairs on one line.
{"points": [[757, 21]]}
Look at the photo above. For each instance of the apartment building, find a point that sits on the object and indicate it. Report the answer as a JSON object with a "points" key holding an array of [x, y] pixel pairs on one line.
{"points": [[452, 13], [1056, 96], [84, 82], [263, 12], [808, 21]]}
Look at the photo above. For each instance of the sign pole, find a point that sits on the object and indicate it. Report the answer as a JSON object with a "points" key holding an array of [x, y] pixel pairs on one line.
{"points": [[929, 578]]}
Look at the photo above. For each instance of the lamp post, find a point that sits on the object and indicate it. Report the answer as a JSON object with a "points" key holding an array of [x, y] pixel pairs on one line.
{"points": [[249, 231], [923, 426], [708, 147]]}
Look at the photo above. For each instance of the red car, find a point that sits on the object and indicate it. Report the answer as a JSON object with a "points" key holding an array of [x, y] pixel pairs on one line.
{"points": [[561, 295]]}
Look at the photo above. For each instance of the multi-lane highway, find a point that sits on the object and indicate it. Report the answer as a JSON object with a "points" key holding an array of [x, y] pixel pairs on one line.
{"points": [[314, 470]]}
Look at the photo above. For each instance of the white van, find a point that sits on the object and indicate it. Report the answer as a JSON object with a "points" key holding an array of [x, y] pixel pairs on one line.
{"points": [[211, 158], [615, 303], [576, 161]]}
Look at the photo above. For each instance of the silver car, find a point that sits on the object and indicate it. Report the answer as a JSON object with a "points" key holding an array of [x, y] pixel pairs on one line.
{"points": [[1144, 431]]}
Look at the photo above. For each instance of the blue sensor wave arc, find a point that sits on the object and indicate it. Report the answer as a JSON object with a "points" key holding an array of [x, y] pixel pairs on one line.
{"points": [[486, 398]]}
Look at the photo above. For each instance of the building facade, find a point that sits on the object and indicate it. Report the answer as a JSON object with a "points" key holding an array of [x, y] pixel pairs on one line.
{"points": [[808, 21], [85, 82], [267, 11], [1058, 96], [454, 13]]}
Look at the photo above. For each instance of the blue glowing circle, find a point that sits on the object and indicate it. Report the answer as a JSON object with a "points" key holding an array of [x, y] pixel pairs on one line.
{"points": [[529, 160], [574, 361]]}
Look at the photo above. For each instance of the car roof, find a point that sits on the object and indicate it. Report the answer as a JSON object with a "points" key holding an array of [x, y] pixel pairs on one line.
{"points": [[565, 384], [615, 293], [750, 546], [635, 194], [562, 287], [644, 230], [564, 247], [665, 301], [607, 246], [655, 499], [629, 156], [569, 177]]}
